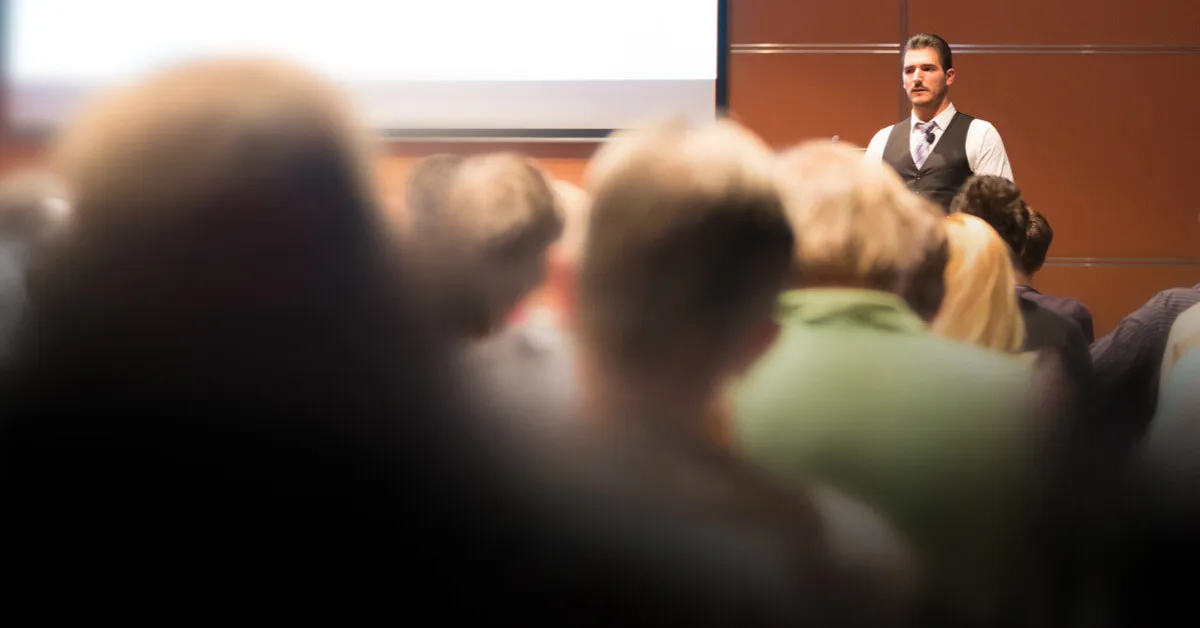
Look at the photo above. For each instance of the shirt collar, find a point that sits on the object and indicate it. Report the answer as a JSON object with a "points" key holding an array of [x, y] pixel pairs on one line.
{"points": [[849, 308], [942, 119]]}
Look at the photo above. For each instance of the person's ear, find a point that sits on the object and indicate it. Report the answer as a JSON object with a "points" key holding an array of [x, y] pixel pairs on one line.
{"points": [[950, 74]]}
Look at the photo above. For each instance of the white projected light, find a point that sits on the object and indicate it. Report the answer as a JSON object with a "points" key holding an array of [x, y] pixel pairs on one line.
{"points": [[539, 65]]}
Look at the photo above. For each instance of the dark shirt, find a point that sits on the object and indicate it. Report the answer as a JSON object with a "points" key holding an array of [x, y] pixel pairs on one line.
{"points": [[1129, 358], [1048, 331], [1063, 306]]}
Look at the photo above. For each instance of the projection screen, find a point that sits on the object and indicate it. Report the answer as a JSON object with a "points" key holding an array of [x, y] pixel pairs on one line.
{"points": [[506, 68]]}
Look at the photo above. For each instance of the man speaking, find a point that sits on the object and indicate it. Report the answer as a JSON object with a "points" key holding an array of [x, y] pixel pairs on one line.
{"points": [[937, 148]]}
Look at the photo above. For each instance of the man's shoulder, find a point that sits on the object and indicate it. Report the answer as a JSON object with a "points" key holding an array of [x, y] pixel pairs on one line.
{"points": [[880, 139], [979, 125], [887, 130]]}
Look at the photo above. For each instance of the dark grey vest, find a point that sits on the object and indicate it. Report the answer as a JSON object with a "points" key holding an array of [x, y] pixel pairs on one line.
{"points": [[946, 169]]}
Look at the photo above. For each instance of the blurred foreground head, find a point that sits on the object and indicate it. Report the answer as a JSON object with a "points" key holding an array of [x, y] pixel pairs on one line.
{"points": [[687, 248], [225, 245], [858, 226], [426, 189], [215, 203]]}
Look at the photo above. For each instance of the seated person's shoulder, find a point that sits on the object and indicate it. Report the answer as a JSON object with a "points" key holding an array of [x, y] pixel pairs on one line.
{"points": [[1045, 328], [526, 366]]}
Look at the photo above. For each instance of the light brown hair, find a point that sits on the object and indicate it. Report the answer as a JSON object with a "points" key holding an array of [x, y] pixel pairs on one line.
{"points": [[687, 245], [856, 223], [499, 221]]}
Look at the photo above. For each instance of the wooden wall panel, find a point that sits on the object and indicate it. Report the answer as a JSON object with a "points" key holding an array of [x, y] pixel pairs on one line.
{"points": [[813, 21], [791, 97], [1112, 292], [1104, 145], [1040, 22]]}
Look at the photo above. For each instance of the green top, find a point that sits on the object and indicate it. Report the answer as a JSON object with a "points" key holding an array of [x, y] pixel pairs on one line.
{"points": [[859, 393]]}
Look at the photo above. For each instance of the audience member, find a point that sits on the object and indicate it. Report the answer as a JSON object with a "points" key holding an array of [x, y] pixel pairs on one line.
{"points": [[859, 393], [217, 357], [487, 249], [980, 307], [1129, 358], [687, 247], [32, 206], [529, 365], [997, 201], [1038, 236]]}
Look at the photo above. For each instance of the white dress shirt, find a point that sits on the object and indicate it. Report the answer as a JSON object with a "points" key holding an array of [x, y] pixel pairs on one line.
{"points": [[985, 150]]}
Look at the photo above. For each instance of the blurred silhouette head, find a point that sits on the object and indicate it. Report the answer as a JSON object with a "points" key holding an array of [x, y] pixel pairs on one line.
{"points": [[220, 341], [980, 307], [687, 248], [491, 241], [857, 225], [427, 189], [220, 208]]}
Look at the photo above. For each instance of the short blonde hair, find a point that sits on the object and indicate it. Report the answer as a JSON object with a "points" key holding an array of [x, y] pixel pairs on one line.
{"points": [[980, 306], [855, 221]]}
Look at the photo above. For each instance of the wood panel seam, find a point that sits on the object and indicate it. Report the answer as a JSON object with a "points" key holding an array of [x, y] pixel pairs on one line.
{"points": [[894, 49]]}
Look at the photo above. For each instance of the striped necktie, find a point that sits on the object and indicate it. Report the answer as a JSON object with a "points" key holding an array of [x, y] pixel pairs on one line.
{"points": [[923, 146]]}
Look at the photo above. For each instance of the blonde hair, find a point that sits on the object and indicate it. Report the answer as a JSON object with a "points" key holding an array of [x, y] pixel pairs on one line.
{"points": [[855, 221], [980, 306]]}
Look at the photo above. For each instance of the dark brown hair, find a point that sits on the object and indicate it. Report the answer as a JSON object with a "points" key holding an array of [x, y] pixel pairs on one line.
{"points": [[929, 40], [1039, 235], [997, 201]]}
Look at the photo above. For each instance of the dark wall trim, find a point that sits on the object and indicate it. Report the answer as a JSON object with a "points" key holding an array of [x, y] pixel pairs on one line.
{"points": [[1188, 262], [894, 49]]}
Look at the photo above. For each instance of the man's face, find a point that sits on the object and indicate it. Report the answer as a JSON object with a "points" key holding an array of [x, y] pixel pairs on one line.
{"points": [[924, 79]]}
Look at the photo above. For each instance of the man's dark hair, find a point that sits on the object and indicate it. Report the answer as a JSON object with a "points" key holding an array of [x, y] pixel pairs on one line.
{"points": [[997, 201], [929, 40], [1038, 236]]}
